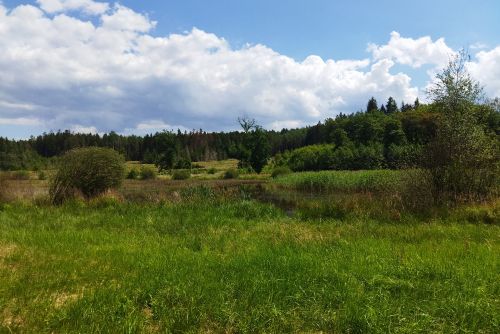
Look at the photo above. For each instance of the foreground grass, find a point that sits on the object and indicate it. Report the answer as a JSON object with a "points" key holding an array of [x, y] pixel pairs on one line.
{"points": [[241, 266]]}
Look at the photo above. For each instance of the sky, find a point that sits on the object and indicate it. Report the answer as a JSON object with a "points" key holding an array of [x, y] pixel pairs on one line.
{"points": [[138, 67]]}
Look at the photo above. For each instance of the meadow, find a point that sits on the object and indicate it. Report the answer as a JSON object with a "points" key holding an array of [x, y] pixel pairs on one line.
{"points": [[212, 256]]}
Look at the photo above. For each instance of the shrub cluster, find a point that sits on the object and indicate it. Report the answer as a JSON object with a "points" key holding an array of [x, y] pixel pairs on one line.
{"points": [[90, 171], [231, 174], [279, 171], [181, 174], [147, 173]]}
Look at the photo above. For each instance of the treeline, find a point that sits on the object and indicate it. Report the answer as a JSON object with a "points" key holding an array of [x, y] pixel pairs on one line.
{"points": [[378, 137]]}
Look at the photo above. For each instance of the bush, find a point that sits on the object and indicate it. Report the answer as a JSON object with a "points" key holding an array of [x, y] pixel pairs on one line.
{"points": [[147, 173], [231, 174], [311, 158], [90, 171], [211, 171], [183, 163], [279, 171], [181, 174], [133, 174], [41, 175]]}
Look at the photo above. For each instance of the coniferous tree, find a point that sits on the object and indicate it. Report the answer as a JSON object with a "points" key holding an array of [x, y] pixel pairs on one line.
{"points": [[372, 105], [416, 104], [391, 106]]}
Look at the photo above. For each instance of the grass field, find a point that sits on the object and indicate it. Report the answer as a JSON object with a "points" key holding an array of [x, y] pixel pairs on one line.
{"points": [[202, 256], [208, 264]]}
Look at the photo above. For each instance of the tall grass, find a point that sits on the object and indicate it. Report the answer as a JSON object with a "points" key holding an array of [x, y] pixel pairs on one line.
{"points": [[350, 181], [215, 265]]}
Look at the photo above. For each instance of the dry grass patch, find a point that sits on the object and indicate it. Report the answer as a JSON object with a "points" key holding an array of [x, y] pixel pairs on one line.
{"points": [[63, 299]]}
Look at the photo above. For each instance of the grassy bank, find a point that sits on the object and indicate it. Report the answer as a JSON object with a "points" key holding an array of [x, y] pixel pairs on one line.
{"points": [[212, 265]]}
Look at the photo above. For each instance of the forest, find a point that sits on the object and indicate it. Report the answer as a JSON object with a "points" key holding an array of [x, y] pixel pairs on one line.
{"points": [[378, 137]]}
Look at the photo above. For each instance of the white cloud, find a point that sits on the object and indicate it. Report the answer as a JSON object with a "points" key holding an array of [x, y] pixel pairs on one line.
{"points": [[87, 6], [123, 18], [487, 70], [83, 129], [478, 46], [413, 52], [26, 121], [116, 75]]}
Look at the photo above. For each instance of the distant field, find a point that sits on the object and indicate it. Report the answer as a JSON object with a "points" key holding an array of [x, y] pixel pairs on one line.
{"points": [[214, 265]]}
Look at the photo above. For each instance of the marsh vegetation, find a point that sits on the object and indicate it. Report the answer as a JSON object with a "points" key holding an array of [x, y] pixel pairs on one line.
{"points": [[260, 244]]}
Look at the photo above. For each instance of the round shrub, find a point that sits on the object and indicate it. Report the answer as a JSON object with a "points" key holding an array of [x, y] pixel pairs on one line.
{"points": [[211, 171], [181, 174], [133, 174], [231, 174], [90, 171], [278, 171], [148, 173]]}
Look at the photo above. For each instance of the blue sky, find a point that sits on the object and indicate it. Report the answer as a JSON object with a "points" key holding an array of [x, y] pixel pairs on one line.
{"points": [[335, 30], [330, 29]]}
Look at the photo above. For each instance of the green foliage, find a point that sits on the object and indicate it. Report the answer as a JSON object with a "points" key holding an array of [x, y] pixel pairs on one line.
{"points": [[280, 171], [41, 175], [372, 105], [183, 163], [133, 174], [181, 174], [391, 107], [259, 148], [403, 156], [463, 159], [314, 157], [147, 173], [255, 149], [231, 174], [347, 157], [376, 180], [90, 171], [211, 171]]}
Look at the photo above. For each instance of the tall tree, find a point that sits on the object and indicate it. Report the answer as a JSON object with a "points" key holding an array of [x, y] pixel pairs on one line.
{"points": [[462, 159], [260, 149], [416, 104], [372, 105], [391, 106]]}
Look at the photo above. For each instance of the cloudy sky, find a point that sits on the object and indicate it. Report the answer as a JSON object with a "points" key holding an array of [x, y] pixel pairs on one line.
{"points": [[142, 66]]}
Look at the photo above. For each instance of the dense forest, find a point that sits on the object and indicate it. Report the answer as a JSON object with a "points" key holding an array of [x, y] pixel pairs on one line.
{"points": [[385, 136]]}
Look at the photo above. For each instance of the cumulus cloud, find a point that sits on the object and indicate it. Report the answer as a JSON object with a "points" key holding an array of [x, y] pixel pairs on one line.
{"points": [[87, 6], [487, 70], [413, 52], [114, 74]]}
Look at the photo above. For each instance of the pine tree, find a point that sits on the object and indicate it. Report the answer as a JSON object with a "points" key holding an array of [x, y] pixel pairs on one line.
{"points": [[391, 106], [372, 105], [416, 104]]}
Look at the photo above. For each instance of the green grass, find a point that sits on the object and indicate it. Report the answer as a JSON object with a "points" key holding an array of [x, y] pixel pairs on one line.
{"points": [[212, 265], [367, 180]]}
